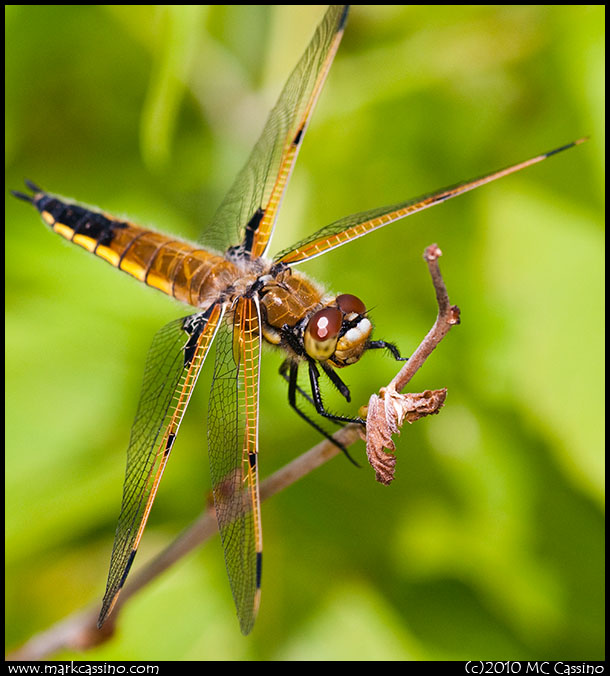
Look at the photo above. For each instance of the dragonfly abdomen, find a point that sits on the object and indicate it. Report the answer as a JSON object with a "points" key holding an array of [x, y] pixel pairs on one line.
{"points": [[179, 269]]}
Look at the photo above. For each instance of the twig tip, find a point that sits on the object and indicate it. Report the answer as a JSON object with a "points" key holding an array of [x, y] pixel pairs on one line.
{"points": [[432, 252]]}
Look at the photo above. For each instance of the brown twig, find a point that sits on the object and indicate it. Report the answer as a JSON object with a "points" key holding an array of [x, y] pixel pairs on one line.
{"points": [[448, 316], [388, 410], [79, 631]]}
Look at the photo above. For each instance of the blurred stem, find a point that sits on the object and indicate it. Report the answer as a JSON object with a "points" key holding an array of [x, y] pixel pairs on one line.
{"points": [[178, 34]]}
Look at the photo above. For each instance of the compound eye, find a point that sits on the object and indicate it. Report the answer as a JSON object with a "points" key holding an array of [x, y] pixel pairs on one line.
{"points": [[349, 304], [322, 333]]}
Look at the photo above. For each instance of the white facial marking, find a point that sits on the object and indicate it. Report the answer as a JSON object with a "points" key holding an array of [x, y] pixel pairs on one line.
{"points": [[359, 332]]}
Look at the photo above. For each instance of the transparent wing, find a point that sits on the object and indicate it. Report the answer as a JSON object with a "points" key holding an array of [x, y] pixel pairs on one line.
{"points": [[349, 228], [233, 445], [248, 213], [172, 366]]}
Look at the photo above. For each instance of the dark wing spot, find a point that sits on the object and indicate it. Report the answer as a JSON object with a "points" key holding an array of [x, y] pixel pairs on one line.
{"points": [[297, 139], [169, 443], [259, 569], [251, 229], [132, 556]]}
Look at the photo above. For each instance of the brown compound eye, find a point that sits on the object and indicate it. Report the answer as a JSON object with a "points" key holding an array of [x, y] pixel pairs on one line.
{"points": [[322, 332], [349, 304]]}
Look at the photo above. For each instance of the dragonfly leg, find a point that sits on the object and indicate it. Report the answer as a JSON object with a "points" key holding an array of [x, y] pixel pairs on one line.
{"points": [[383, 345], [285, 373], [336, 381], [289, 371], [314, 377]]}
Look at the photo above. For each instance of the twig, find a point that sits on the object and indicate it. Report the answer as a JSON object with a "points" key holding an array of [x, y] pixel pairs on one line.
{"points": [[79, 631], [388, 410], [448, 316]]}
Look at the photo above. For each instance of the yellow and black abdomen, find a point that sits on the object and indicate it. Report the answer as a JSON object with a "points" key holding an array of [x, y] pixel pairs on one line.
{"points": [[189, 274]]}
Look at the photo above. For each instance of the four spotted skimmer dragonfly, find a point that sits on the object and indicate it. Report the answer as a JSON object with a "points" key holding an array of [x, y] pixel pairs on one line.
{"points": [[242, 297]]}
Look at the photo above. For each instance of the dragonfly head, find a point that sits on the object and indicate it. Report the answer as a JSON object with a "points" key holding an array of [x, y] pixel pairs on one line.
{"points": [[339, 332]]}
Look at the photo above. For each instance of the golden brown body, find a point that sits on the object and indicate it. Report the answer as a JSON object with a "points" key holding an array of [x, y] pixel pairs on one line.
{"points": [[183, 270]]}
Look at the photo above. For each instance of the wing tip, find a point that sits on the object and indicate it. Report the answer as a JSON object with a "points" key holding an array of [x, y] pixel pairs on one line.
{"points": [[566, 147], [104, 612], [343, 18]]}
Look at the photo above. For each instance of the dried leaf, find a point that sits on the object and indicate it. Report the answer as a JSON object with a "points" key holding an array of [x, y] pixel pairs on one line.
{"points": [[386, 414]]}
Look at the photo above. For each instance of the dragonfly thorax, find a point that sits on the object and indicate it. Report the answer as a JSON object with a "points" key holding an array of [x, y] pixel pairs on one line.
{"points": [[308, 323]]}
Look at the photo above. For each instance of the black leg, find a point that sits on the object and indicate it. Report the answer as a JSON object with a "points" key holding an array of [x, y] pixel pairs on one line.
{"points": [[382, 345], [336, 381], [314, 377], [291, 376], [285, 373]]}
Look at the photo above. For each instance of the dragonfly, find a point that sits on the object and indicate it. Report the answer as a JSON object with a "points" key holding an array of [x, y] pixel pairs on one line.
{"points": [[242, 297]]}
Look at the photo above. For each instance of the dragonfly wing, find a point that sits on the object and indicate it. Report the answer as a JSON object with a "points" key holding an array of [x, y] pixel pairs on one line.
{"points": [[248, 213], [351, 227], [233, 446], [172, 367]]}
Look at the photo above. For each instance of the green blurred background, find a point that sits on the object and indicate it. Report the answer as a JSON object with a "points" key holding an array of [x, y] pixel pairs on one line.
{"points": [[489, 544]]}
